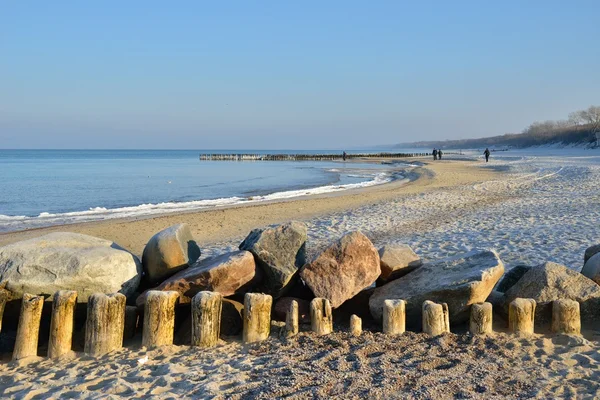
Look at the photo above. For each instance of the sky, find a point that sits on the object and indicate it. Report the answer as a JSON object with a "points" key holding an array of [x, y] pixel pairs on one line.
{"points": [[289, 75]]}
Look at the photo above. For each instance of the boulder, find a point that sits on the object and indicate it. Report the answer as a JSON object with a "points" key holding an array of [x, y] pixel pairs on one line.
{"points": [[282, 305], [590, 251], [550, 281], [591, 269], [279, 252], [168, 252], [68, 261], [397, 261], [343, 270], [458, 281], [227, 274], [511, 277]]}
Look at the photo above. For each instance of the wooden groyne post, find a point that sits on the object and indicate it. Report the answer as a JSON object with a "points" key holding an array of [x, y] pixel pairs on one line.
{"points": [[105, 323], [480, 322], [566, 317], [521, 315], [321, 318], [61, 324], [257, 317], [302, 157], [28, 331], [206, 318], [436, 319], [291, 319], [394, 317], [159, 318]]}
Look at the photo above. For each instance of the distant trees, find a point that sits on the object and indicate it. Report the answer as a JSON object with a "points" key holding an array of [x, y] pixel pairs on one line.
{"points": [[580, 128]]}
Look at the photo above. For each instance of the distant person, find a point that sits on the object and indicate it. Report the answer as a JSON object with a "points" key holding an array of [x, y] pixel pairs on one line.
{"points": [[440, 154], [344, 156], [486, 153], [434, 154]]}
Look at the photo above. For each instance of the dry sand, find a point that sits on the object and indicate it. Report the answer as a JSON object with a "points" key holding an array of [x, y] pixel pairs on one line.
{"points": [[338, 366], [215, 226]]}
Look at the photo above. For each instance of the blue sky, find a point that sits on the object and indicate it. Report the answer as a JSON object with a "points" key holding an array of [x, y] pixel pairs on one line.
{"points": [[282, 74]]}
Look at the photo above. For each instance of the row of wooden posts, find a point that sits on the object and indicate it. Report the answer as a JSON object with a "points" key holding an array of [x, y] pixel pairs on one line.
{"points": [[106, 320]]}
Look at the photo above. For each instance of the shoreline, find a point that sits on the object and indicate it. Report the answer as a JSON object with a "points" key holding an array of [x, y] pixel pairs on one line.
{"points": [[227, 222]]}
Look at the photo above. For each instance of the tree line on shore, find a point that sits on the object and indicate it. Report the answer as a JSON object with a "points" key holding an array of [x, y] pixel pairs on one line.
{"points": [[581, 128]]}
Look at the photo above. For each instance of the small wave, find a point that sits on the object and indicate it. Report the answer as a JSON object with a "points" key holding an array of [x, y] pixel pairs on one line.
{"points": [[19, 222]]}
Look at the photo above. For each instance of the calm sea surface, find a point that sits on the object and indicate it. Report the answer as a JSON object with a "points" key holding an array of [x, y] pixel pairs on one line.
{"points": [[47, 187]]}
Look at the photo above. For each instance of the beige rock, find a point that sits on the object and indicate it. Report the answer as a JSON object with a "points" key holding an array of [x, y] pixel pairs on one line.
{"points": [[481, 319], [521, 315], [460, 281], [550, 281], [61, 325], [227, 274], [343, 270], [435, 318], [397, 261], [159, 318], [206, 318], [28, 332], [169, 251], [257, 317], [68, 261], [105, 323], [321, 317], [565, 317], [394, 317]]}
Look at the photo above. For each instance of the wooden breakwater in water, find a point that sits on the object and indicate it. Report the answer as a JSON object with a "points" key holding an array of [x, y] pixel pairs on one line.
{"points": [[302, 157]]}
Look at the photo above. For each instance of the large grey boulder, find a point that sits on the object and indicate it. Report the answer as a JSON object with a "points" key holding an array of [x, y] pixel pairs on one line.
{"points": [[228, 274], [550, 281], [343, 270], [279, 251], [168, 252], [591, 269], [68, 261], [396, 261], [590, 252], [458, 281], [511, 277]]}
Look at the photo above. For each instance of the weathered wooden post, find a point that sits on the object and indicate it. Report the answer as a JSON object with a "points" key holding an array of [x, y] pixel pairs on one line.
{"points": [[481, 319], [4, 296], [105, 323], [355, 325], [394, 317], [436, 319], [521, 314], [61, 324], [206, 318], [28, 331], [291, 319], [257, 317], [159, 318], [321, 318], [565, 317]]}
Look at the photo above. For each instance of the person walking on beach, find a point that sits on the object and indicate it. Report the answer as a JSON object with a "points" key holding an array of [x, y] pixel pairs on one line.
{"points": [[486, 153], [344, 156], [440, 154], [434, 154]]}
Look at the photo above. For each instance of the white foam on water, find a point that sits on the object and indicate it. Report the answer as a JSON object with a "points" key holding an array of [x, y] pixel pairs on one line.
{"points": [[19, 222]]}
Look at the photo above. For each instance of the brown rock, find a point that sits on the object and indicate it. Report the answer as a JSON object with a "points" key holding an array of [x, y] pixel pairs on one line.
{"points": [[397, 261], [226, 274], [344, 269], [282, 306]]}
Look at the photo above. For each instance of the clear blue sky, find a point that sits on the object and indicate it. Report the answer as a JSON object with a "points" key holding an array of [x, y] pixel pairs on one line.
{"points": [[289, 74]]}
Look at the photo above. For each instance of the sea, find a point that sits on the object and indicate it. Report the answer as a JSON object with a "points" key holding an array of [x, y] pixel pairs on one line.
{"points": [[54, 187]]}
